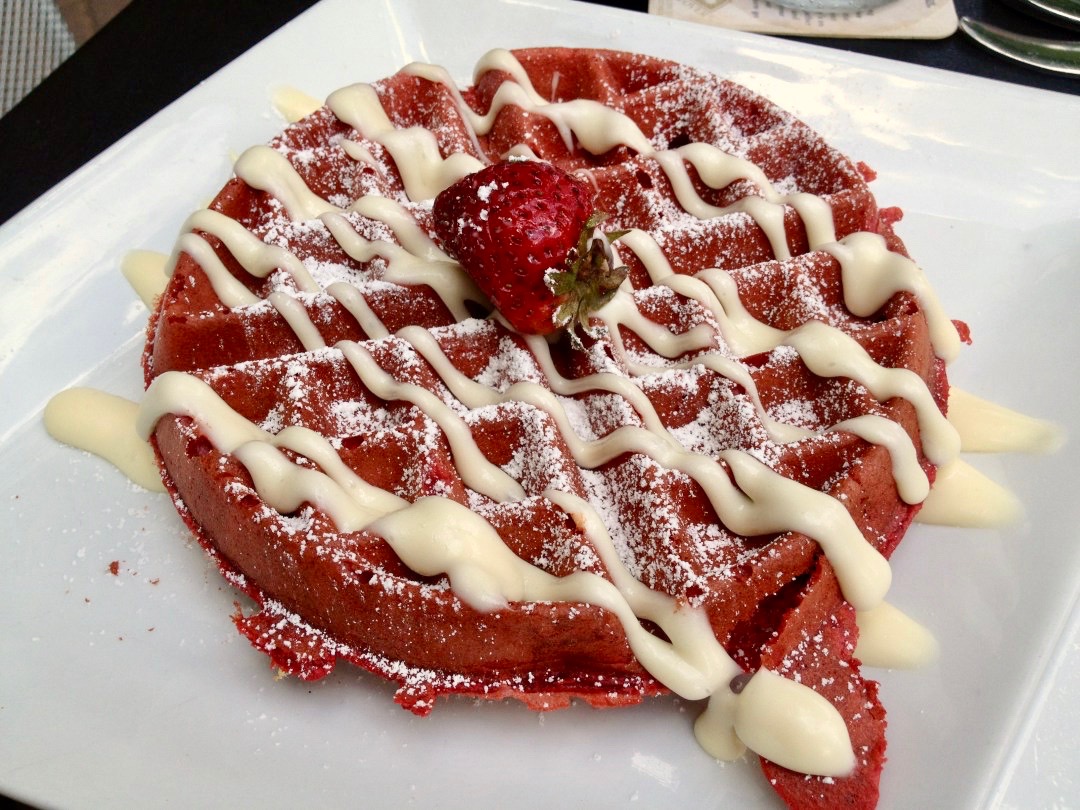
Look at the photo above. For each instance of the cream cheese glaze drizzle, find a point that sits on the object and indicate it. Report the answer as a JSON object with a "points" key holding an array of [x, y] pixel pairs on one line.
{"points": [[986, 427], [103, 424], [146, 272], [757, 502], [775, 716], [962, 496], [889, 638], [293, 104]]}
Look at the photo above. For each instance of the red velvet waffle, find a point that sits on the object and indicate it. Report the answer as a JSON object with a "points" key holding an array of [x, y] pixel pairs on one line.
{"points": [[325, 594]]}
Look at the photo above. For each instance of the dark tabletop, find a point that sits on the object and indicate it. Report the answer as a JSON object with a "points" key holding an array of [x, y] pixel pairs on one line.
{"points": [[153, 52]]}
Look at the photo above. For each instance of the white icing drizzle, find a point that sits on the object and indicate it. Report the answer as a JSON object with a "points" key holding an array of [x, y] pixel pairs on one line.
{"points": [[742, 329], [829, 352], [103, 424], [349, 500], [622, 310], [602, 381], [293, 104], [890, 638], [766, 503], [911, 480], [872, 274], [266, 169], [715, 290], [783, 720], [145, 271], [175, 392], [598, 128], [476, 471], [963, 496], [256, 257], [986, 427], [768, 215], [773, 503], [782, 723], [286, 486], [349, 297], [315, 447], [424, 171], [416, 261], [298, 319], [229, 290], [416, 243], [816, 216]]}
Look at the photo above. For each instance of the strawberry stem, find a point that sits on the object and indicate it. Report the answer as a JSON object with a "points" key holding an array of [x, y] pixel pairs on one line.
{"points": [[590, 279]]}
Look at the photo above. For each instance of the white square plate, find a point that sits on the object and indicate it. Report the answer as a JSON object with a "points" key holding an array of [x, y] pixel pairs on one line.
{"points": [[133, 689]]}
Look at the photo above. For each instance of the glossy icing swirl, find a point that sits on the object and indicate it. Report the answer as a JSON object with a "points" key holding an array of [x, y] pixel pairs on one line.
{"points": [[436, 535]]}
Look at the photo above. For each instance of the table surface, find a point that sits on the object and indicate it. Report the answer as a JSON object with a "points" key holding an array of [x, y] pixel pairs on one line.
{"points": [[153, 52]]}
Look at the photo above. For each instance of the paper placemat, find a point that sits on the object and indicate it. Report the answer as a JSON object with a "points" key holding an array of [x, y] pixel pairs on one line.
{"points": [[899, 19]]}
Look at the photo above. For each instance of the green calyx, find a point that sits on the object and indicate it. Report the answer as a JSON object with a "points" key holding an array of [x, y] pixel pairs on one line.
{"points": [[590, 279]]}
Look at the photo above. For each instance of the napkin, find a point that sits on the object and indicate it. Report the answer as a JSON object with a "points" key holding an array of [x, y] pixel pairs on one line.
{"points": [[898, 19]]}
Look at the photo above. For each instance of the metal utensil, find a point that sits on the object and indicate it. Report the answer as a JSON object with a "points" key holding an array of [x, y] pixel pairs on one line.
{"points": [[1059, 12], [1058, 56]]}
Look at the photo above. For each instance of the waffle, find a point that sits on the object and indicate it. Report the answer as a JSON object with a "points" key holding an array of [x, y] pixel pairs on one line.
{"points": [[698, 497]]}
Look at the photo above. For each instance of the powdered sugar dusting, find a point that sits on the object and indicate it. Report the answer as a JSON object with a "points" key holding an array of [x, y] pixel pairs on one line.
{"points": [[560, 433]]}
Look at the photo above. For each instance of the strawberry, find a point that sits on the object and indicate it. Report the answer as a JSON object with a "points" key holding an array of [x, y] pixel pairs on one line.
{"points": [[526, 232]]}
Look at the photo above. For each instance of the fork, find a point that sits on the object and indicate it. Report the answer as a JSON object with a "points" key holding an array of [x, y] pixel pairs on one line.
{"points": [[1056, 55], [1059, 12]]}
